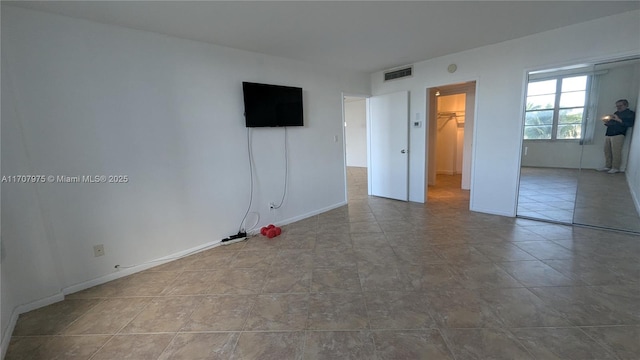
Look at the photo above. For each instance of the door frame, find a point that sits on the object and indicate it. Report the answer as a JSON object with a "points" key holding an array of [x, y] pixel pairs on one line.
{"points": [[344, 139], [469, 88]]}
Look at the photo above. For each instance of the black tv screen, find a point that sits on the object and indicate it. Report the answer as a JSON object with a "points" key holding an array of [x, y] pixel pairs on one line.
{"points": [[272, 105]]}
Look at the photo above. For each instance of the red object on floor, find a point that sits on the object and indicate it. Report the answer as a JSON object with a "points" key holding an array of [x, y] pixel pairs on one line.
{"points": [[270, 231]]}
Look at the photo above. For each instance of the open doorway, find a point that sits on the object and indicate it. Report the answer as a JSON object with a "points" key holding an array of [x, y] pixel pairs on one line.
{"points": [[451, 119], [355, 135]]}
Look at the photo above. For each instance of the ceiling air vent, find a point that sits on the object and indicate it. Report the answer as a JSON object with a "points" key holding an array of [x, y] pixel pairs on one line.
{"points": [[399, 73]]}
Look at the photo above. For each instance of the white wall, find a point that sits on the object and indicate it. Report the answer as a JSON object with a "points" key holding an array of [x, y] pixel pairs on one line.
{"points": [[500, 71], [617, 83], [355, 116], [82, 98], [29, 266]]}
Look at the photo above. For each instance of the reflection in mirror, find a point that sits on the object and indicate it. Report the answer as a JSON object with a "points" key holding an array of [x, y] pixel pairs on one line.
{"points": [[563, 144], [604, 199], [555, 106], [547, 193]]}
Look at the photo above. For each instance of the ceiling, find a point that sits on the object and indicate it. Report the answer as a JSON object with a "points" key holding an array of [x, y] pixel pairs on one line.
{"points": [[357, 35]]}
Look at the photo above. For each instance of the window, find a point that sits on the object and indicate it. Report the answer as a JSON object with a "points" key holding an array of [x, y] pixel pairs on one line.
{"points": [[555, 108]]}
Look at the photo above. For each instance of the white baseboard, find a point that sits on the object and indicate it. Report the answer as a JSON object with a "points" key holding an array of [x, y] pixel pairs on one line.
{"points": [[493, 212], [309, 214], [137, 268], [21, 309], [6, 338]]}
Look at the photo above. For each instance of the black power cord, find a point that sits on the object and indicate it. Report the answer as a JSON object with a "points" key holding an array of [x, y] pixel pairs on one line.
{"points": [[242, 233]]}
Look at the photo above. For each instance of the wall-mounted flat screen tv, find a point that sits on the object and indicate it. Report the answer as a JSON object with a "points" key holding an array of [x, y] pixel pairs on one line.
{"points": [[272, 105]]}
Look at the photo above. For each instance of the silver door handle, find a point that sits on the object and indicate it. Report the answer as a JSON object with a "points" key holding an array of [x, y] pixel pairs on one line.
{"points": [[403, 151]]}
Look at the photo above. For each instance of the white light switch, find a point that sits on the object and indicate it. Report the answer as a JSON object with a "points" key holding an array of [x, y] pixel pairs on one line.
{"points": [[335, 138]]}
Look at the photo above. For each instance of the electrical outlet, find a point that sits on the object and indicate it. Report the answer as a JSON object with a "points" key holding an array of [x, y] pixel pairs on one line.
{"points": [[98, 250]]}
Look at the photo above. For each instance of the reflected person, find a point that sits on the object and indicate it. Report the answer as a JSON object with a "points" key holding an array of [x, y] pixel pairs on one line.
{"points": [[617, 125]]}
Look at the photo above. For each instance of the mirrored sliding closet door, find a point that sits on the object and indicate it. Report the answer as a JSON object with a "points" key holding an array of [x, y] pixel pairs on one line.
{"points": [[563, 177]]}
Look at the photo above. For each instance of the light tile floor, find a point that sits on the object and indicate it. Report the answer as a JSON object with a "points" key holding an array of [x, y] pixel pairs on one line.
{"points": [[585, 197], [548, 193], [377, 279], [605, 200]]}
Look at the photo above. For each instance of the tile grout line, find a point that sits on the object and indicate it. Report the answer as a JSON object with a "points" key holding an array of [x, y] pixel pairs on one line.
{"points": [[121, 328], [475, 286]]}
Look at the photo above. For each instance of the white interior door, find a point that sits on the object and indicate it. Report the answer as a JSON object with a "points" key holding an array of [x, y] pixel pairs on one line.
{"points": [[389, 145]]}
